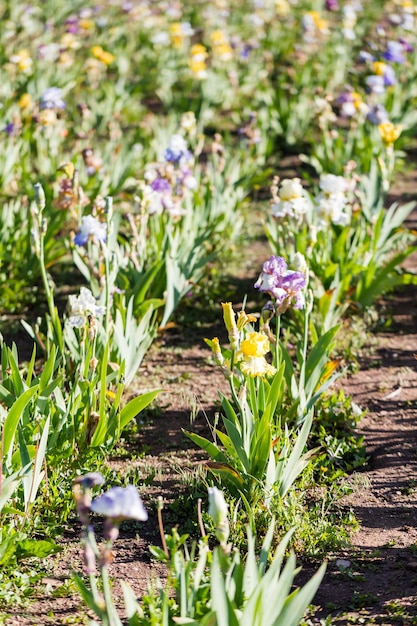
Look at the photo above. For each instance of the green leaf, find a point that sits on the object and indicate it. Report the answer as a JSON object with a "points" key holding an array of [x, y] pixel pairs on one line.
{"points": [[32, 481], [296, 604], [227, 445], [101, 430], [135, 406], [297, 461], [15, 374], [10, 484], [48, 370], [36, 548], [275, 390], [133, 609], [211, 448], [260, 447], [87, 596], [229, 410], [238, 445], [25, 457], [319, 354], [158, 553], [13, 417], [28, 328], [7, 549], [219, 601], [31, 367], [144, 282]]}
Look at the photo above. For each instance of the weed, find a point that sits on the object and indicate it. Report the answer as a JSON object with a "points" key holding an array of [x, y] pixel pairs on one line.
{"points": [[362, 600], [409, 489]]}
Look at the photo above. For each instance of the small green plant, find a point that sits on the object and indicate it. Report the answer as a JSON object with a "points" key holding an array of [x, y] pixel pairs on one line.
{"points": [[361, 600]]}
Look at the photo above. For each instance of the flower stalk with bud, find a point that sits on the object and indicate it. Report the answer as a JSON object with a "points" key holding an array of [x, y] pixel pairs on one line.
{"points": [[116, 505], [39, 231]]}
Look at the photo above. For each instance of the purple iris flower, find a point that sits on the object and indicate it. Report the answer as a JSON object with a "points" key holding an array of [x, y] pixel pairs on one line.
{"points": [[406, 46], [9, 129], [247, 49], [377, 115], [345, 96], [281, 283], [389, 77], [332, 5], [161, 185], [394, 52], [375, 83], [173, 156], [177, 149], [90, 227], [365, 57], [71, 25], [275, 265], [120, 503]]}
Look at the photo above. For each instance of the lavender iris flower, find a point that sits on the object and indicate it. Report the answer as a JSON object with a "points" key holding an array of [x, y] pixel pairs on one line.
{"points": [[120, 503], [161, 185], [90, 227], [375, 83], [377, 115], [71, 25], [389, 76], [365, 57], [407, 47], [51, 98], [332, 5], [9, 129], [177, 149], [394, 52], [281, 283]]}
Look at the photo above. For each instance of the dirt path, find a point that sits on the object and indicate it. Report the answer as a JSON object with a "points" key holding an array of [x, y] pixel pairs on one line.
{"points": [[379, 584]]}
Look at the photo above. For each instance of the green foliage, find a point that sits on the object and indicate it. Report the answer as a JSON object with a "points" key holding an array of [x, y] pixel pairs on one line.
{"points": [[18, 570], [334, 432], [249, 462], [220, 587]]}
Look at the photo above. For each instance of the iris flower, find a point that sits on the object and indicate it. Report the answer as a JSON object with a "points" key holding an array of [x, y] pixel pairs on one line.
{"points": [[82, 306], [120, 503], [282, 284], [252, 356], [90, 227]]}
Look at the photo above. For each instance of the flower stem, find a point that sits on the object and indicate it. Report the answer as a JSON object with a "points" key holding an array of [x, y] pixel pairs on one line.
{"points": [[111, 617], [161, 526], [106, 251], [232, 378], [277, 348]]}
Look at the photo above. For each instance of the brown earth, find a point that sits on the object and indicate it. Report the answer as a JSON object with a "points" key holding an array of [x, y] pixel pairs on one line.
{"points": [[374, 580]]}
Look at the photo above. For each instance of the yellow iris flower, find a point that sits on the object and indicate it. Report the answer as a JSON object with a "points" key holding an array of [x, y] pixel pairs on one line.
{"points": [[101, 55], [389, 133], [252, 355]]}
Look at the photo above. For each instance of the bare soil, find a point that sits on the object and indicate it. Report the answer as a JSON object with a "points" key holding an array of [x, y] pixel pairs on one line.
{"points": [[375, 579]]}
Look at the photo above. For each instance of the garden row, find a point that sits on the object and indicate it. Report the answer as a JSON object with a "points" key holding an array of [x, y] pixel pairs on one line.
{"points": [[137, 139]]}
